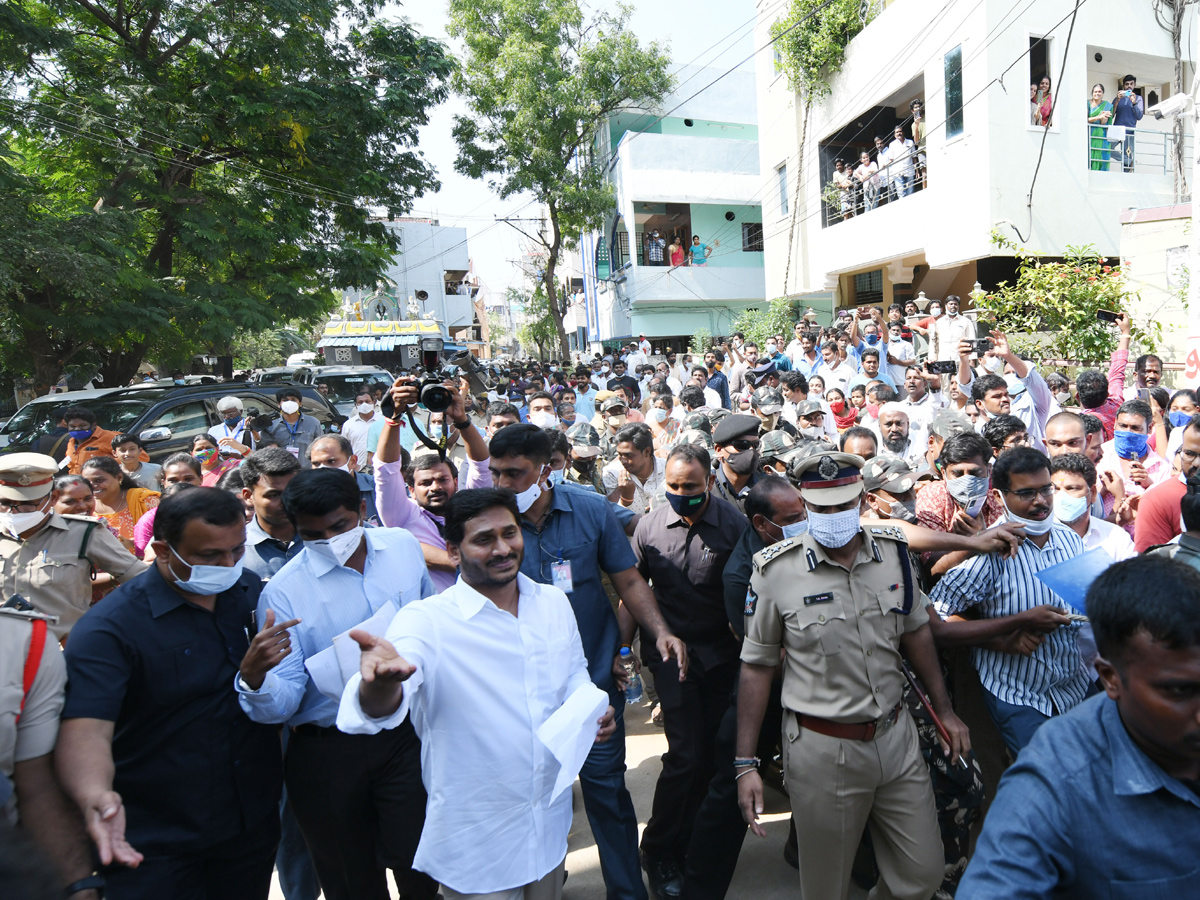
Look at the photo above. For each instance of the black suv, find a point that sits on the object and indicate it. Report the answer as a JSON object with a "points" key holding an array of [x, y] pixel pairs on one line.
{"points": [[166, 417]]}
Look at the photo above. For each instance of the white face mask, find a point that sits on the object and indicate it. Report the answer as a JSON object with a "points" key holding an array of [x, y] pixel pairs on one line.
{"points": [[814, 432], [543, 419], [340, 547], [952, 313], [289, 407], [659, 415], [346, 468], [771, 348], [17, 524], [366, 408], [615, 421], [834, 530], [1032, 526], [994, 364], [1068, 508], [207, 581], [529, 496]]}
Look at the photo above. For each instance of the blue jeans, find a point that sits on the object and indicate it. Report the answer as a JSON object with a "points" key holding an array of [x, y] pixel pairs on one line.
{"points": [[902, 186], [1016, 723], [611, 814], [297, 877]]}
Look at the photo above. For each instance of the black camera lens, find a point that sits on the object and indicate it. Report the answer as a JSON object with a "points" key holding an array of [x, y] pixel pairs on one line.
{"points": [[436, 398], [387, 406]]}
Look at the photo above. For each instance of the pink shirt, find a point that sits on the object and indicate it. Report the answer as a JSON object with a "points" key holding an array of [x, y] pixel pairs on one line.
{"points": [[1156, 467], [398, 510]]}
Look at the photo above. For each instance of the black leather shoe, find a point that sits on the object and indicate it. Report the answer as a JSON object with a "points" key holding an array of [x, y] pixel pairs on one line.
{"points": [[666, 881]]}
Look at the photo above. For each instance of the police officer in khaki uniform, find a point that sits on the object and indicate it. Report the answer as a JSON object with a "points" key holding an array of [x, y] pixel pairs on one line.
{"points": [[33, 681], [842, 603], [48, 558]]}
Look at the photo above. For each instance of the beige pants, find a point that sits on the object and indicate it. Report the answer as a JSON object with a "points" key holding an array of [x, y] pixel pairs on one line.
{"points": [[548, 887], [838, 787]]}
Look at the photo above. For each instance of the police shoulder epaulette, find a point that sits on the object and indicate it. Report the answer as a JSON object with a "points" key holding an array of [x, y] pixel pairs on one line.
{"points": [[888, 531], [27, 614], [774, 551]]}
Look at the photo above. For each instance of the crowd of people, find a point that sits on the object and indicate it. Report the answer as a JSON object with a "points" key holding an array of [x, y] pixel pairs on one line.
{"points": [[335, 656], [895, 168]]}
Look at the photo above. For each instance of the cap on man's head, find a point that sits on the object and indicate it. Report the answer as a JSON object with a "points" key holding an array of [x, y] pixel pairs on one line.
{"points": [[715, 414], [582, 434], [887, 473], [733, 427], [777, 445], [767, 400], [696, 436], [26, 476], [697, 421], [614, 401], [229, 403], [809, 408], [828, 479], [947, 423]]}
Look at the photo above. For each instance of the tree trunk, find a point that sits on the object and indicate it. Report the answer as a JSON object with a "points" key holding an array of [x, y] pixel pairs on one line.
{"points": [[121, 365], [553, 249], [796, 199], [1180, 180]]}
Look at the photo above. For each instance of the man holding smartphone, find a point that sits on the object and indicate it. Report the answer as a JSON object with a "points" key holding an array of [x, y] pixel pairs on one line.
{"points": [[1128, 110]]}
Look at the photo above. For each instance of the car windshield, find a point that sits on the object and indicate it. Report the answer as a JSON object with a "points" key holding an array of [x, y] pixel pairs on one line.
{"points": [[275, 377], [342, 388], [36, 419]]}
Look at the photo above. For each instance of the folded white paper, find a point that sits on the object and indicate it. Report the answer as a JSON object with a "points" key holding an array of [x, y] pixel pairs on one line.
{"points": [[570, 732], [335, 665]]}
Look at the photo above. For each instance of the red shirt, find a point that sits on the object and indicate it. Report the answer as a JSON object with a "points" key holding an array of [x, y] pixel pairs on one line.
{"points": [[1116, 392], [1157, 519]]}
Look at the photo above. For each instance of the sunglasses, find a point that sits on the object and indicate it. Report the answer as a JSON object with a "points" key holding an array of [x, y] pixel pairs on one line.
{"points": [[742, 444]]}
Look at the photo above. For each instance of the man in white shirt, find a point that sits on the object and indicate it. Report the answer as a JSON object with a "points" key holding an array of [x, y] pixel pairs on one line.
{"points": [[1074, 478], [836, 371], [477, 670], [643, 344], [362, 429], [949, 329], [635, 478], [231, 434], [921, 403], [902, 162], [895, 439], [359, 801], [900, 354]]}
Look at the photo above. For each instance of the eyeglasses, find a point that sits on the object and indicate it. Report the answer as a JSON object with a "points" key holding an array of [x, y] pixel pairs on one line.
{"points": [[10, 506], [1046, 491], [1190, 455], [743, 444]]}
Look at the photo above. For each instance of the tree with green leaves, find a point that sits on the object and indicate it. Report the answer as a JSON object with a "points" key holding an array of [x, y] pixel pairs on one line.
{"points": [[758, 324], [540, 78], [540, 329], [182, 171]]}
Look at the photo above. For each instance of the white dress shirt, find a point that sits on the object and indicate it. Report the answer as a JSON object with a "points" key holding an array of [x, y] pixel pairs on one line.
{"points": [[901, 350], [356, 430], [329, 599], [643, 493], [837, 376], [921, 413], [947, 332], [485, 681]]}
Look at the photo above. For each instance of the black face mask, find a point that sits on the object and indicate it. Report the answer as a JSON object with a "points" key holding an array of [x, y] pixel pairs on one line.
{"points": [[743, 463], [686, 504]]}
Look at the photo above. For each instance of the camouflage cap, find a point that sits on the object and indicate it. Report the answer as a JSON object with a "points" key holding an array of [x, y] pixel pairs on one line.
{"points": [[888, 473], [777, 445], [947, 423], [697, 421], [695, 436], [767, 400]]}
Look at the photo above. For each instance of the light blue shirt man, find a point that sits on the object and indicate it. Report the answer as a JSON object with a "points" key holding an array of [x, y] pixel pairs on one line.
{"points": [[329, 599]]}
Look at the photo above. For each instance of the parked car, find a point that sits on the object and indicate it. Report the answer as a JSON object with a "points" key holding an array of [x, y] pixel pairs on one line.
{"points": [[343, 382], [166, 418], [275, 375]]}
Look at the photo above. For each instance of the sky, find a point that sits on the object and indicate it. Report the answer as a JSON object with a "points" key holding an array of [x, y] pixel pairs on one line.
{"points": [[704, 32]]}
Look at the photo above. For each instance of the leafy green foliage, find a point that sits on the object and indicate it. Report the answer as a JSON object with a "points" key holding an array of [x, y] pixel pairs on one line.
{"points": [[1050, 312], [196, 168], [702, 341], [540, 79], [758, 324], [539, 331], [812, 40]]}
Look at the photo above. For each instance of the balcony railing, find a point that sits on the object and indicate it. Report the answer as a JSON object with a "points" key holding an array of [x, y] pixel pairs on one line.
{"points": [[889, 185], [1113, 148]]}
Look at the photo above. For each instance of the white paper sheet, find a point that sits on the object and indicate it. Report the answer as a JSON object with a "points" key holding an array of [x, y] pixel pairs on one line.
{"points": [[335, 665], [570, 732]]}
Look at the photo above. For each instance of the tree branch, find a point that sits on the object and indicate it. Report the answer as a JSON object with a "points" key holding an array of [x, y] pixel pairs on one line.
{"points": [[104, 18], [172, 50]]}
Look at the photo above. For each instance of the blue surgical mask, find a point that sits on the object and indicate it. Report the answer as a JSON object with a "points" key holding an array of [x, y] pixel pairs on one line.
{"points": [[557, 476], [180, 381], [1178, 419], [81, 435], [872, 339], [1129, 444], [207, 581], [1069, 508]]}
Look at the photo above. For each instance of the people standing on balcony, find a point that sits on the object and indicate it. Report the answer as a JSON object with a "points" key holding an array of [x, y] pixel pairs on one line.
{"points": [[675, 251], [1099, 113], [1127, 112], [698, 254], [654, 249], [867, 174], [901, 156], [919, 132], [845, 186], [1042, 103]]}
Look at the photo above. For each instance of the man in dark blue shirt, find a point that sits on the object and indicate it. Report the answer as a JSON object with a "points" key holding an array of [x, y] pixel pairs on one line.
{"points": [[270, 536], [1128, 109], [571, 535], [1104, 801], [170, 774]]}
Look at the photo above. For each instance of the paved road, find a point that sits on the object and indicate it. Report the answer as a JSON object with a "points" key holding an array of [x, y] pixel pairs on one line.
{"points": [[761, 874]]}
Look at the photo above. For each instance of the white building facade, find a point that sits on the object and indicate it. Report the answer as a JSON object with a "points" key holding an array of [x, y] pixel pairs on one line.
{"points": [[693, 171], [972, 66]]}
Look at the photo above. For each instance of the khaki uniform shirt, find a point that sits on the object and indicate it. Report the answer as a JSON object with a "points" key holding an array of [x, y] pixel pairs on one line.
{"points": [[37, 730], [840, 629], [48, 571]]}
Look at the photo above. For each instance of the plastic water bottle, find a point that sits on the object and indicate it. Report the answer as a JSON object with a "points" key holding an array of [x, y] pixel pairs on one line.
{"points": [[633, 693]]}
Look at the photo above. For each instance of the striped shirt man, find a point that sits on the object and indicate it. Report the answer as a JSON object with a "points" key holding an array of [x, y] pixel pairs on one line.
{"points": [[1052, 679]]}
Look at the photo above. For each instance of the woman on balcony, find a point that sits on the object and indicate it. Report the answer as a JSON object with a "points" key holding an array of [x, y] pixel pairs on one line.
{"points": [[1099, 113], [845, 186], [867, 174], [1042, 104]]}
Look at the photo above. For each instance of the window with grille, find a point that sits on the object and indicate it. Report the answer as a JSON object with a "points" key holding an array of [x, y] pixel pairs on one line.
{"points": [[868, 287], [752, 237]]}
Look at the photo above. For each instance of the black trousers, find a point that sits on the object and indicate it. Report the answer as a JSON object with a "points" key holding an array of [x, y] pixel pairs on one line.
{"points": [[692, 714], [361, 806], [720, 829], [237, 869]]}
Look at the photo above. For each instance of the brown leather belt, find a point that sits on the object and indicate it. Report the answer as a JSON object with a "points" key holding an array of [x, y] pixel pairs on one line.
{"points": [[860, 731]]}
